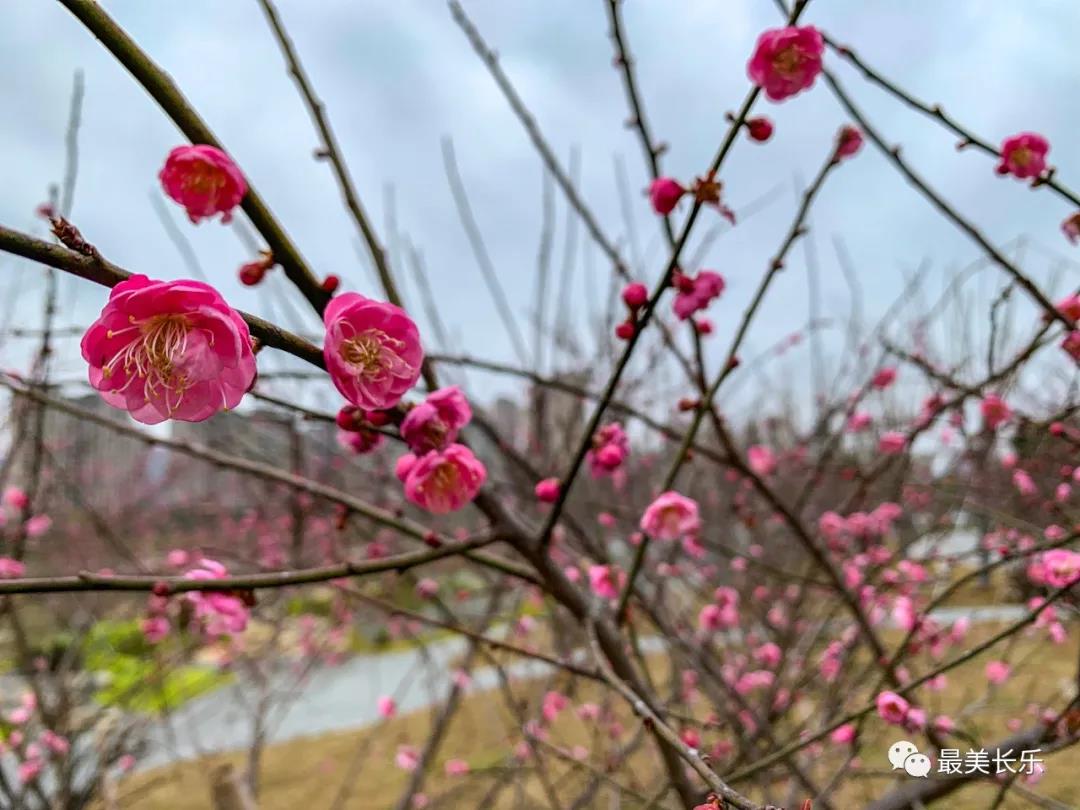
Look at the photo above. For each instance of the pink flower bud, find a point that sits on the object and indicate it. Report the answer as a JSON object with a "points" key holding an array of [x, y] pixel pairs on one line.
{"points": [[664, 194]]}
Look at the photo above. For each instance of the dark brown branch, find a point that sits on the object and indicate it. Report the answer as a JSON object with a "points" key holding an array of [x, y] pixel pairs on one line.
{"points": [[104, 272], [164, 91]]}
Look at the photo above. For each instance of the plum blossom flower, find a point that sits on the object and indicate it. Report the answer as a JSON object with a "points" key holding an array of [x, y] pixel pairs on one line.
{"points": [[1024, 483], [671, 516], [892, 442], [442, 481], [220, 612], [997, 672], [155, 628], [456, 767], [848, 141], [11, 569], [407, 757], [30, 769], [995, 411], [372, 350], [843, 734], [436, 421], [204, 180], [554, 703], [761, 460], [859, 421], [1071, 345], [386, 706], [695, 293], [1071, 228], [1023, 155], [547, 491], [1057, 568], [892, 708], [169, 350], [710, 617], [16, 498], [664, 194], [361, 441], [55, 743], [606, 581], [786, 61], [884, 378], [610, 447], [759, 129]]}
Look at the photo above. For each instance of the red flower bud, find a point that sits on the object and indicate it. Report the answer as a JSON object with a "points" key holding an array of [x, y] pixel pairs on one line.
{"points": [[330, 284], [635, 295], [377, 418], [349, 418], [625, 330], [759, 129], [664, 194]]}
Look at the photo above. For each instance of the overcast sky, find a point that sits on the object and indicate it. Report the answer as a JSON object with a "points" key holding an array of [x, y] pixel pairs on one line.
{"points": [[398, 75]]}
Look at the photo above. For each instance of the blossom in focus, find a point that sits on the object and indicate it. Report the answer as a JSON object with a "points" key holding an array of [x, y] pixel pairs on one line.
{"points": [[204, 180], [169, 350], [372, 350], [786, 61]]}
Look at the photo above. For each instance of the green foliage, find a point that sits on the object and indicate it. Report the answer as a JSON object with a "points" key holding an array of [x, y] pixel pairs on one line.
{"points": [[135, 675]]}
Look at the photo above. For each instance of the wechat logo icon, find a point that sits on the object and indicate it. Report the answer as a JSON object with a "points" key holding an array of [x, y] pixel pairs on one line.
{"points": [[904, 756]]}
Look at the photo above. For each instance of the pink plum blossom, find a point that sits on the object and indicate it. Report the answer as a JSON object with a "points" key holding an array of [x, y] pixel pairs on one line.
{"points": [[997, 672], [761, 460], [995, 411], [671, 516], [204, 180], [892, 708], [372, 351], [1024, 155], [169, 350], [443, 481], [436, 421], [786, 61]]}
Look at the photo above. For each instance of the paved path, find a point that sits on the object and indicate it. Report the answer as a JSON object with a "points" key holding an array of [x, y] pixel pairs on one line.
{"points": [[344, 697]]}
